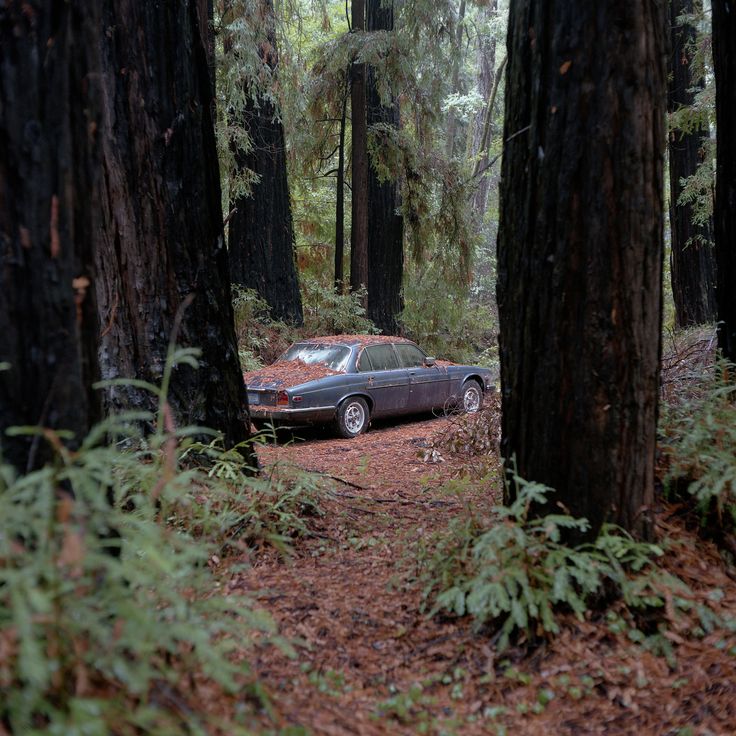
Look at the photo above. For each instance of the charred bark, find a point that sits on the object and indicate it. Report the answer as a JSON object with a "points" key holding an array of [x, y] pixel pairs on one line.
{"points": [[580, 252], [48, 154], [161, 243], [385, 224], [340, 200], [359, 162], [724, 62], [693, 259], [261, 240]]}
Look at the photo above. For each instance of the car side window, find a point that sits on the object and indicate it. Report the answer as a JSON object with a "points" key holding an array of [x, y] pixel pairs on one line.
{"points": [[410, 356], [364, 362], [382, 357]]}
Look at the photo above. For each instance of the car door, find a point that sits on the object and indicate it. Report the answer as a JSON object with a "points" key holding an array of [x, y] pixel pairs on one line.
{"points": [[387, 383], [429, 386]]}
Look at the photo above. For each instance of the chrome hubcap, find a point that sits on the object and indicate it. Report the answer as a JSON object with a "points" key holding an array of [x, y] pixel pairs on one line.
{"points": [[471, 400], [354, 418]]}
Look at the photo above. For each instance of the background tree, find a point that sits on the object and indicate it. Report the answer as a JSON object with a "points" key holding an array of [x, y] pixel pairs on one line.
{"points": [[724, 62], [693, 259], [580, 251], [49, 133], [161, 250], [385, 223], [261, 231]]}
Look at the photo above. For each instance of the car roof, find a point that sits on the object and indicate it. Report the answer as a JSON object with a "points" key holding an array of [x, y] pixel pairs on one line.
{"points": [[355, 340]]}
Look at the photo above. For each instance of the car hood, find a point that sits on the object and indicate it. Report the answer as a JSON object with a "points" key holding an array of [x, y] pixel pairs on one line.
{"points": [[286, 374]]}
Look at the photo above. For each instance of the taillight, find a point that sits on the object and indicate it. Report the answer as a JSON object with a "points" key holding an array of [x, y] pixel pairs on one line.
{"points": [[282, 399]]}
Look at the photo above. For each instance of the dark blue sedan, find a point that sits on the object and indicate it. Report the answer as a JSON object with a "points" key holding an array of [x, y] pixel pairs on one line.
{"points": [[350, 379]]}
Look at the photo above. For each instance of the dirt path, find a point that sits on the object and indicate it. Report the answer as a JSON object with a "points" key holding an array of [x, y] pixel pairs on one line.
{"points": [[371, 663]]}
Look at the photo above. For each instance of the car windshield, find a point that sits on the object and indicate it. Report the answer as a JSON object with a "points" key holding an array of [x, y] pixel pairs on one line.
{"points": [[333, 356]]}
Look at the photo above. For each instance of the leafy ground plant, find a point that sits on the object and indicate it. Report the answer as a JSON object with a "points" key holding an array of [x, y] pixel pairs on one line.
{"points": [[699, 439], [519, 576]]}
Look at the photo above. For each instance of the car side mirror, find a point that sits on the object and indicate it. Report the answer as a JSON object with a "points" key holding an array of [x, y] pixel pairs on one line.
{"points": [[429, 362]]}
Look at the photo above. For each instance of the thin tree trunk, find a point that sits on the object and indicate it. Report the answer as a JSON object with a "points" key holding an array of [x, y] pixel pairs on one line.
{"points": [[385, 224], [161, 244], [49, 133], [457, 60], [580, 252], [724, 62], [261, 233], [359, 163], [693, 259]]}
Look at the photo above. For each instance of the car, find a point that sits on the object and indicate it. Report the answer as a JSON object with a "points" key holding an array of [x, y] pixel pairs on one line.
{"points": [[348, 380]]}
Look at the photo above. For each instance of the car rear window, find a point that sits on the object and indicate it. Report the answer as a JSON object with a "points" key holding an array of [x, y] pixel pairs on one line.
{"points": [[333, 356], [382, 357], [410, 356]]}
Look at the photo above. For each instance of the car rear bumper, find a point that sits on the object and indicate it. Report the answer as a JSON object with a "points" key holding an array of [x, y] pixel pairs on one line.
{"points": [[285, 415]]}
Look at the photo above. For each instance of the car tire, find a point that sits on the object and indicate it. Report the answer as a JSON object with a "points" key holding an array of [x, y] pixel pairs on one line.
{"points": [[353, 417], [471, 397]]}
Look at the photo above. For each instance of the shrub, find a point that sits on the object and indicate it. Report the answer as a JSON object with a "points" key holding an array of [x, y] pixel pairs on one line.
{"points": [[518, 576], [327, 312]]}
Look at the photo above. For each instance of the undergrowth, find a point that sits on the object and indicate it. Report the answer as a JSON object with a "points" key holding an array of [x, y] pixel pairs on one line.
{"points": [[518, 577], [111, 618], [698, 437]]}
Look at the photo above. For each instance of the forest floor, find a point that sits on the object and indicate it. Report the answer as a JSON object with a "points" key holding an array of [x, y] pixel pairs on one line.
{"points": [[371, 661]]}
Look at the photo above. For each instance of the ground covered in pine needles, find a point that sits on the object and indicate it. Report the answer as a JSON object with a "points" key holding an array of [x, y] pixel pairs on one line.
{"points": [[370, 660]]}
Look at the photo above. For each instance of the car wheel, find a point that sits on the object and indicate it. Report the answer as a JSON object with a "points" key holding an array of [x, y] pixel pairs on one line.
{"points": [[352, 417], [472, 397]]}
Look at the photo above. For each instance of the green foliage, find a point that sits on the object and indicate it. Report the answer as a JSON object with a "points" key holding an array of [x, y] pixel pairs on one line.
{"points": [[104, 594], [519, 575], [443, 319], [699, 437], [261, 339], [327, 312]]}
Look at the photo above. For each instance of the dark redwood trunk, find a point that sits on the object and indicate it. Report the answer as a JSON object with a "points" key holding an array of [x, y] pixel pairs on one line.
{"points": [[580, 251], [161, 242], [385, 224], [261, 240], [359, 162], [48, 154], [340, 201], [693, 259], [724, 61]]}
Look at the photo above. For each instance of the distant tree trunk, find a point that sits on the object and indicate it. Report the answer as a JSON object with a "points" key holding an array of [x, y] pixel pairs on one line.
{"points": [[385, 225], [693, 259], [161, 243], [49, 131], [580, 252], [481, 129], [261, 242], [724, 62], [457, 59], [359, 162], [340, 200]]}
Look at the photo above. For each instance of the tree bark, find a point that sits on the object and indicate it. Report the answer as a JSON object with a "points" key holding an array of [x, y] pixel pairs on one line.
{"points": [[359, 162], [693, 259], [580, 252], [49, 132], [340, 200], [724, 62], [385, 224], [160, 241], [261, 242]]}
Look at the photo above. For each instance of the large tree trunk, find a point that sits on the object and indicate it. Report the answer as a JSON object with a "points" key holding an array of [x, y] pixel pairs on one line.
{"points": [[580, 251], [693, 259], [261, 241], [724, 61], [359, 162], [49, 130], [385, 224], [340, 199], [161, 249]]}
